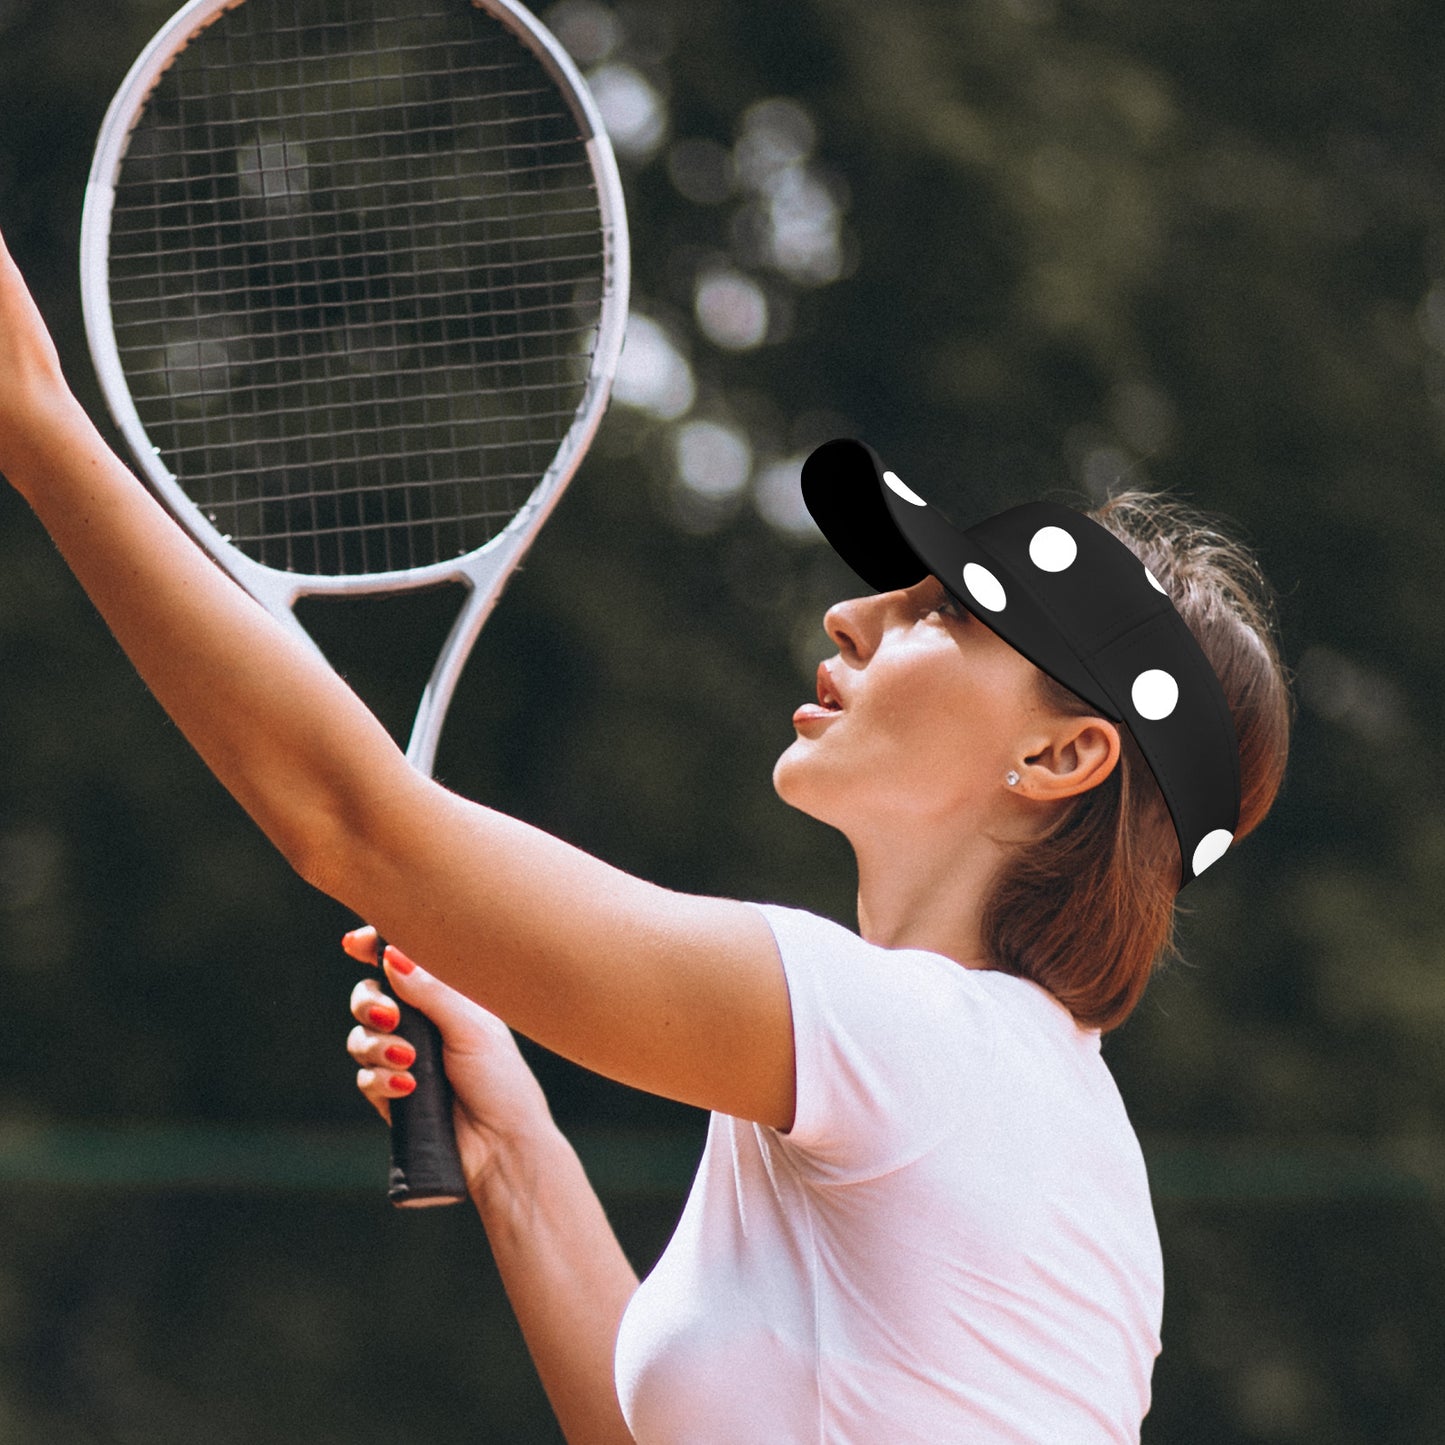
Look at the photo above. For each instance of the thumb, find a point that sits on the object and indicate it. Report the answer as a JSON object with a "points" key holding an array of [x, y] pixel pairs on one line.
{"points": [[452, 1012]]}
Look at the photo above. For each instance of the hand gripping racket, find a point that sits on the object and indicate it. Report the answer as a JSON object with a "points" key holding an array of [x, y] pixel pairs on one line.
{"points": [[355, 280]]}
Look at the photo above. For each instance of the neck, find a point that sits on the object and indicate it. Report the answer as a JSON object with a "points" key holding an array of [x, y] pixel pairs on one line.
{"points": [[920, 889]]}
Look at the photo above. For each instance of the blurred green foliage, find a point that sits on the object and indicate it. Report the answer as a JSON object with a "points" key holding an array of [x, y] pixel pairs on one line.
{"points": [[1025, 247]]}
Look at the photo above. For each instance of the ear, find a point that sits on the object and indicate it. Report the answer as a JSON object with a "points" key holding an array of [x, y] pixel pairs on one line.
{"points": [[1077, 755]]}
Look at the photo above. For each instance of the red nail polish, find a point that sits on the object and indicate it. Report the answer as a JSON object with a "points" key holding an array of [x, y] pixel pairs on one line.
{"points": [[383, 1018], [360, 944], [403, 1083], [400, 1055], [398, 960]]}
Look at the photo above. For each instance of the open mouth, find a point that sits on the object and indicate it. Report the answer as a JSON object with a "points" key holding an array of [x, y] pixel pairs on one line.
{"points": [[827, 696]]}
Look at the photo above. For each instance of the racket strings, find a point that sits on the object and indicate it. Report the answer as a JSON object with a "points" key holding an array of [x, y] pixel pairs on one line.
{"points": [[356, 273]]}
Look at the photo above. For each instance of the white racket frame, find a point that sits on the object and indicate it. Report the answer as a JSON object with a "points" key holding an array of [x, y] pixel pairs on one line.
{"points": [[482, 572]]}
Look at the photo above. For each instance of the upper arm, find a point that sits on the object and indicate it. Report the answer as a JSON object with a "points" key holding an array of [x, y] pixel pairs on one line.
{"points": [[680, 995]]}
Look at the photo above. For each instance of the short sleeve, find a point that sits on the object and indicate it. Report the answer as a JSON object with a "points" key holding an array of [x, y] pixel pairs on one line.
{"points": [[888, 1043]]}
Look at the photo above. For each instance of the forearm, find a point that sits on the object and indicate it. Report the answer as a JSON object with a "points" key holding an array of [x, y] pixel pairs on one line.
{"points": [[566, 1277], [280, 730]]}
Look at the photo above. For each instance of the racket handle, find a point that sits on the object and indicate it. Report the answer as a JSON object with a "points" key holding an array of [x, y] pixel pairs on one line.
{"points": [[426, 1168]]}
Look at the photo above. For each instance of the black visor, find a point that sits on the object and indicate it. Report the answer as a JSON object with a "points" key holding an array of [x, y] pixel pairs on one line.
{"points": [[1074, 600]]}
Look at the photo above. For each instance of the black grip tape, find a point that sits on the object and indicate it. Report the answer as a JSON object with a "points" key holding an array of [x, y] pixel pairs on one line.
{"points": [[425, 1166]]}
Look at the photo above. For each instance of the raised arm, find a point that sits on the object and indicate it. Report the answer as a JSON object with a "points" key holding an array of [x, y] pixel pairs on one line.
{"points": [[678, 995]]}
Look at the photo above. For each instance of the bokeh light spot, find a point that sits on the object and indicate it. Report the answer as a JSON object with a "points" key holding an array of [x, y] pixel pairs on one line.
{"points": [[713, 460], [589, 32], [778, 497], [653, 376], [731, 310], [632, 110]]}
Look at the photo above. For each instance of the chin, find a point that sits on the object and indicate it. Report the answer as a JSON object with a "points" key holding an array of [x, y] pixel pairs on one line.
{"points": [[797, 782], [783, 770]]}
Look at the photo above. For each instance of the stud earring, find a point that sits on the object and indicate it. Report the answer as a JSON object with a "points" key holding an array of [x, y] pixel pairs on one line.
{"points": [[1011, 777]]}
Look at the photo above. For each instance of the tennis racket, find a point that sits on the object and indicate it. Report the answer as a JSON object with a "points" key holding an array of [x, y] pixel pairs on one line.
{"points": [[355, 277]]}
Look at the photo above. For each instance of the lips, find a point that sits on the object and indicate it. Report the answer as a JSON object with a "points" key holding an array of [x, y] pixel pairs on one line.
{"points": [[828, 706]]}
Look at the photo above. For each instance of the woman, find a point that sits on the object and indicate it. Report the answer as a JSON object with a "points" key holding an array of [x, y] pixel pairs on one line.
{"points": [[922, 1214]]}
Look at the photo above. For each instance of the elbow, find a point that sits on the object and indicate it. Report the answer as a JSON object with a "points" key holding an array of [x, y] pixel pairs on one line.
{"points": [[344, 843], [314, 824], [319, 845], [321, 864]]}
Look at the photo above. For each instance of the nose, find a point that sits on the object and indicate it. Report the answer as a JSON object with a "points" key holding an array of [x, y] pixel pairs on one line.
{"points": [[856, 626]]}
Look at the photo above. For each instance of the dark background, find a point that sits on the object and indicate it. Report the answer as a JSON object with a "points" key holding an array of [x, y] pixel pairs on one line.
{"points": [[1026, 247]]}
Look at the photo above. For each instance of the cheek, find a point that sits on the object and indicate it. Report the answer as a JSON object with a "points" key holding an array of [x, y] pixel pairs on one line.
{"points": [[930, 709], [957, 725], [923, 737]]}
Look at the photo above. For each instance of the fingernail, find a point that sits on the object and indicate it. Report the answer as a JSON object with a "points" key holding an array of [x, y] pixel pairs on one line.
{"points": [[360, 944], [398, 960], [400, 1055], [383, 1018], [403, 1083]]}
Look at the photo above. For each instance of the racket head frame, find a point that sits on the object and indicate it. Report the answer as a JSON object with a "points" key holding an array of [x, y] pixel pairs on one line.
{"points": [[484, 571]]}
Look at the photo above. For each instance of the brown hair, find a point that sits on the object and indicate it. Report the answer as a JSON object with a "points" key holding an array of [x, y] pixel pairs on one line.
{"points": [[1087, 909]]}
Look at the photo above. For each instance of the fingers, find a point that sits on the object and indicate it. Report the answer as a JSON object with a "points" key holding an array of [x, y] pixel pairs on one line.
{"points": [[370, 1006], [360, 944], [453, 1013], [384, 1057], [379, 1051], [382, 1085]]}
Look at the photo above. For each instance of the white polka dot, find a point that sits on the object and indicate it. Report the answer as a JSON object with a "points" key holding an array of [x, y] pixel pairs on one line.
{"points": [[1155, 694], [1212, 847], [1052, 549], [984, 587], [1154, 582], [897, 487]]}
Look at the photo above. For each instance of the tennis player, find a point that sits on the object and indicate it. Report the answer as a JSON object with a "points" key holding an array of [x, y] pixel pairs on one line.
{"points": [[922, 1215]]}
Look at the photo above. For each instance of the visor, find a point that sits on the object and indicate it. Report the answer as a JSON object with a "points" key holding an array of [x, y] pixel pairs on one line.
{"points": [[1070, 596]]}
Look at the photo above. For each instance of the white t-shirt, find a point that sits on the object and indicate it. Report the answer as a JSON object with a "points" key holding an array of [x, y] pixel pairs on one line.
{"points": [[953, 1243]]}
